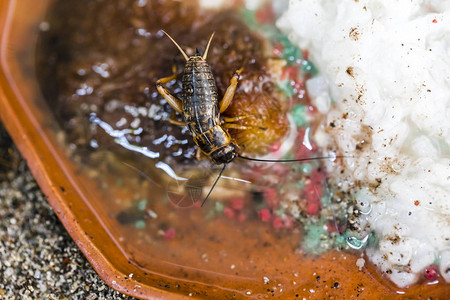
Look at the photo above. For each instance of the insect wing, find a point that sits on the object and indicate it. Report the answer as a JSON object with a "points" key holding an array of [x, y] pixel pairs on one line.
{"points": [[193, 188]]}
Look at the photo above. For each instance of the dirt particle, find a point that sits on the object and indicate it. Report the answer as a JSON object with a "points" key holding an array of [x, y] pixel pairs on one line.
{"points": [[354, 34], [349, 71]]}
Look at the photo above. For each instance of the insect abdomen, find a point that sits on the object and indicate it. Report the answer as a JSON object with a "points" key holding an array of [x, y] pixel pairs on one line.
{"points": [[200, 102]]}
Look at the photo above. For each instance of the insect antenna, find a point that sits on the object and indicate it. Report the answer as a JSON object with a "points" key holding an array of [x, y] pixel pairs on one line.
{"points": [[212, 188], [290, 160], [207, 46], [178, 46]]}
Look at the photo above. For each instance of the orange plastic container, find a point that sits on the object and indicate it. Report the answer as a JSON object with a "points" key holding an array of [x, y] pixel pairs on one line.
{"points": [[212, 259]]}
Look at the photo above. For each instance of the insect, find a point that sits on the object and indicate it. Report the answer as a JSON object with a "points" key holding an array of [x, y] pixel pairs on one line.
{"points": [[200, 107]]}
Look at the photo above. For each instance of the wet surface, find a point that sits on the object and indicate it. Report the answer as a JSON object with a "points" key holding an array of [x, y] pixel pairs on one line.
{"points": [[98, 62]]}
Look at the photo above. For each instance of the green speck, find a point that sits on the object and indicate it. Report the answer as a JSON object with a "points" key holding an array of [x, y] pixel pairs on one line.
{"points": [[325, 200], [249, 17], [301, 184], [299, 114], [218, 207], [341, 240], [288, 156], [210, 214], [313, 237], [373, 240], [291, 55], [119, 182], [279, 212], [437, 259], [142, 204], [140, 224], [296, 168], [306, 168], [286, 88], [309, 67]]}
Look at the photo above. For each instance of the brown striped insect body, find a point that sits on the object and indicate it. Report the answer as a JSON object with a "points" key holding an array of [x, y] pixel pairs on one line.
{"points": [[201, 112]]}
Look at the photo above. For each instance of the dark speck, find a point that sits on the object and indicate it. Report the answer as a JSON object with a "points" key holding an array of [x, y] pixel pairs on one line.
{"points": [[350, 71]]}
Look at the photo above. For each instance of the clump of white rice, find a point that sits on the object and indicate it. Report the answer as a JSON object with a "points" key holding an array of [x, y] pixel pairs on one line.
{"points": [[387, 65]]}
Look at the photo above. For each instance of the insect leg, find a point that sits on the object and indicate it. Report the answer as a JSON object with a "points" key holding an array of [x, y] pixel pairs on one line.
{"points": [[229, 93], [236, 126], [199, 155], [171, 99], [173, 121], [238, 118]]}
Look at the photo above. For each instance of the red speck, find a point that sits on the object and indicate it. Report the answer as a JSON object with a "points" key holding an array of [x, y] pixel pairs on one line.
{"points": [[169, 234], [290, 72], [277, 50], [317, 177], [288, 223], [303, 151], [313, 192], [312, 208], [299, 87], [312, 110], [265, 14], [277, 223], [431, 272], [275, 147], [264, 215], [228, 212], [278, 169], [237, 203], [416, 203], [241, 217], [271, 196], [331, 227], [305, 54], [434, 21]]}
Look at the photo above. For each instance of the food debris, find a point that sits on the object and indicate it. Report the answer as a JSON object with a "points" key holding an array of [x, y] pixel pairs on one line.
{"points": [[431, 273], [265, 215], [360, 263], [169, 234]]}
